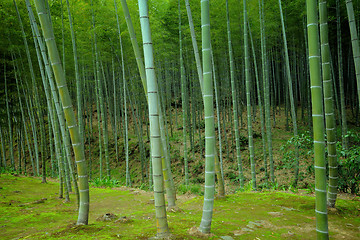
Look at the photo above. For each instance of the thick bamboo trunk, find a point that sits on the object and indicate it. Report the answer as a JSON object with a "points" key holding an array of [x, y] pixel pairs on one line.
{"points": [[154, 107], [205, 225], [69, 113], [318, 121]]}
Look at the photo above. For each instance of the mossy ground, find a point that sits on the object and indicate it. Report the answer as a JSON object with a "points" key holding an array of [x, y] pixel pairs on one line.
{"points": [[246, 215]]}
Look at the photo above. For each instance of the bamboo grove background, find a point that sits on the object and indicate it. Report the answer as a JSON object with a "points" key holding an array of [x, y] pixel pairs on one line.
{"points": [[258, 78]]}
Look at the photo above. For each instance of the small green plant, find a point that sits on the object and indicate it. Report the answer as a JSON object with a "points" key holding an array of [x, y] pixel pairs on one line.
{"points": [[349, 169], [104, 182], [264, 185], [191, 188], [304, 144], [9, 171], [243, 141], [353, 137], [144, 186], [274, 186], [310, 188], [200, 125], [293, 189], [198, 168], [247, 187]]}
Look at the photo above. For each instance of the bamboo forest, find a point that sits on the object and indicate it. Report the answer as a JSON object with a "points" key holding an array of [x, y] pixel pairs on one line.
{"points": [[180, 119]]}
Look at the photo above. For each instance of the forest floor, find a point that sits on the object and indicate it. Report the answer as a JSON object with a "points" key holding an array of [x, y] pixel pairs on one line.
{"points": [[32, 210]]}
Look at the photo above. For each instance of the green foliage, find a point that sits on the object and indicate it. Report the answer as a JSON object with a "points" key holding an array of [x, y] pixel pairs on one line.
{"points": [[349, 169], [275, 186], [191, 188], [144, 186], [104, 182], [303, 142], [232, 176], [244, 141], [247, 186], [199, 145], [348, 159], [293, 189], [200, 124], [9, 171], [354, 137]]}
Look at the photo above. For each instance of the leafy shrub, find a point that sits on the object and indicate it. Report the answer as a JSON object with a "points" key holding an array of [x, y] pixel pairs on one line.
{"points": [[10, 171], [200, 125], [349, 169], [247, 186], [191, 188], [199, 145], [243, 141], [198, 179], [232, 176], [104, 182], [353, 137], [303, 142], [348, 160], [197, 168], [274, 186]]}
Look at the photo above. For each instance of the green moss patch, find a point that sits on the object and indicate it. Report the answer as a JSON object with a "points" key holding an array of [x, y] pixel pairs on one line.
{"points": [[245, 215]]}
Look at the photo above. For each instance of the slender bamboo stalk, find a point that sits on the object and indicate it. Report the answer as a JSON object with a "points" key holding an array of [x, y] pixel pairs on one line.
{"points": [[39, 114], [138, 128], [218, 162], [261, 113], [107, 115], [291, 95], [169, 182], [318, 121], [23, 118], [19, 143], [98, 117], [341, 79], [234, 100], [219, 170], [59, 116], [128, 179], [69, 113], [354, 43], [62, 35], [29, 108], [100, 107], [115, 111], [183, 101], [11, 149], [65, 174], [155, 138], [329, 105], [195, 46], [77, 75], [266, 87], [248, 94], [205, 225], [3, 148], [48, 101], [51, 146], [55, 126]]}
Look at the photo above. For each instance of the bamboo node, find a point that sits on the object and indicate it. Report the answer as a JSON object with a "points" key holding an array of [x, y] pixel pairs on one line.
{"points": [[319, 190]]}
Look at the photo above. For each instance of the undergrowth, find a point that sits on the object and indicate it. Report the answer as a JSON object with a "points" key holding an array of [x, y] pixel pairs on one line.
{"points": [[105, 182], [348, 160], [191, 188]]}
